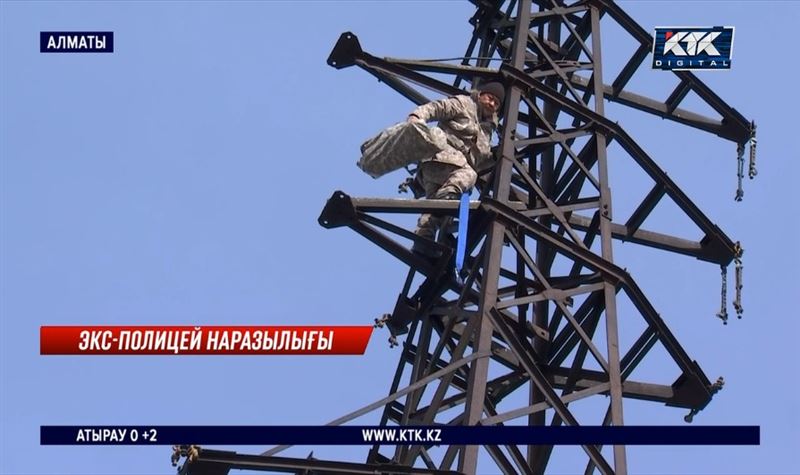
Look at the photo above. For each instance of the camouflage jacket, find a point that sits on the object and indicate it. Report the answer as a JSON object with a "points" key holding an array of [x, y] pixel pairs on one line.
{"points": [[468, 138]]}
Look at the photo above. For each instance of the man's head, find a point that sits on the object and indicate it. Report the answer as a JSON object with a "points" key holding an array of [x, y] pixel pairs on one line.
{"points": [[490, 98]]}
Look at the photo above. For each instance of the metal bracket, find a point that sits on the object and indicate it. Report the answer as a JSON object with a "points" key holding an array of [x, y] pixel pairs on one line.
{"points": [[345, 52], [713, 389], [339, 211]]}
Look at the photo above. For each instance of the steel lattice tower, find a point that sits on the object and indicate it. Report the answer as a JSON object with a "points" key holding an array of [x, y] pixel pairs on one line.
{"points": [[518, 326]]}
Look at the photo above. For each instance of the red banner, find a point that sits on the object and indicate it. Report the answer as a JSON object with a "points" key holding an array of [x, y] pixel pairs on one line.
{"points": [[214, 340]]}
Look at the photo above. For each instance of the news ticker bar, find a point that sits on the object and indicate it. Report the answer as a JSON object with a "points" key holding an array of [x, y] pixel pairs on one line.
{"points": [[437, 435], [208, 340]]}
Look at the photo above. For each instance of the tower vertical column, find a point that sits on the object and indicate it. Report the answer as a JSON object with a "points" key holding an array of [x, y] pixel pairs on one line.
{"points": [[476, 392], [609, 291]]}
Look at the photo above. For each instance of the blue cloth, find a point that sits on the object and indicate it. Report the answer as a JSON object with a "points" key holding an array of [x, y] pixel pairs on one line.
{"points": [[463, 223]]}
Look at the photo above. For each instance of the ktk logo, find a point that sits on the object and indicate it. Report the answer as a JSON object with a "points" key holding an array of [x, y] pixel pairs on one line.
{"points": [[695, 43], [682, 48]]}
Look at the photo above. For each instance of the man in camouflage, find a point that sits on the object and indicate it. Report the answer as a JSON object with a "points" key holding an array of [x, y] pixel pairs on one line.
{"points": [[468, 123]]}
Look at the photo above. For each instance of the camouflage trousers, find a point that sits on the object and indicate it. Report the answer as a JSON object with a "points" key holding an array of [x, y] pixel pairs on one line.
{"points": [[442, 181]]}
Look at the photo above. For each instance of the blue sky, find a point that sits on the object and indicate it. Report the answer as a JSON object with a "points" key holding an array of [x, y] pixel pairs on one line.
{"points": [[179, 179]]}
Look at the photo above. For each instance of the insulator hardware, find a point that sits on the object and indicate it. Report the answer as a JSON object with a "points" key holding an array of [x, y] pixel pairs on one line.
{"points": [[381, 322], [753, 142], [739, 273], [723, 308], [737, 258], [403, 186], [191, 452], [176, 455], [739, 172]]}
